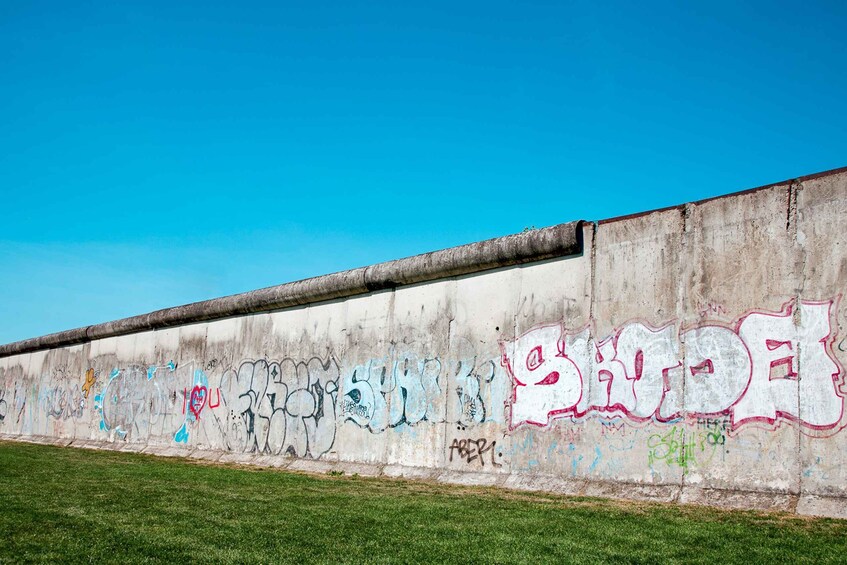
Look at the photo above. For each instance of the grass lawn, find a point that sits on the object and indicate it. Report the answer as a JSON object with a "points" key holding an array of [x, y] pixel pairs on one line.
{"points": [[78, 505]]}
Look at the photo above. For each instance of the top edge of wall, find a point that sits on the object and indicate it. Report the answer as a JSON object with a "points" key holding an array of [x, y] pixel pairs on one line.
{"points": [[680, 207], [530, 246]]}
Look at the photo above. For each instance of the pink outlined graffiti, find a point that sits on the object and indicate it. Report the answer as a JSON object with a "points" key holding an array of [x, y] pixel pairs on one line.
{"points": [[195, 399], [558, 382], [810, 343], [768, 367]]}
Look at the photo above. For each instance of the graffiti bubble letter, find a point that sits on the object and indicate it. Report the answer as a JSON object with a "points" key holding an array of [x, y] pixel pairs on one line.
{"points": [[794, 376], [546, 382]]}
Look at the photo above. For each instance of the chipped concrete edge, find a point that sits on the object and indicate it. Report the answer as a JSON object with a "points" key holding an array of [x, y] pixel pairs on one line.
{"points": [[530, 246], [805, 504]]}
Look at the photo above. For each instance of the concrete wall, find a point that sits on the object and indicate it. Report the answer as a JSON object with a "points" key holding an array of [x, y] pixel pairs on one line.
{"points": [[692, 354]]}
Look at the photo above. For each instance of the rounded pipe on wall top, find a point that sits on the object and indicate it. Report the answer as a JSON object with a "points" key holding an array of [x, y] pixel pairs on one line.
{"points": [[529, 246]]}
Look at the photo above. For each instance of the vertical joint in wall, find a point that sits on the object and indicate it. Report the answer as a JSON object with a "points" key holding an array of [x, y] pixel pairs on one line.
{"points": [[791, 214], [685, 225], [797, 240], [592, 271], [800, 266]]}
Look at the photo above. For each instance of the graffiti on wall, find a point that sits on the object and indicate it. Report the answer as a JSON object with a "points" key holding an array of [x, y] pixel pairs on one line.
{"points": [[677, 446], [64, 402], [261, 406], [381, 394], [476, 379], [134, 399], [12, 404], [762, 369], [195, 401], [477, 450], [63, 399], [291, 407], [90, 378], [766, 367], [407, 389], [285, 407]]}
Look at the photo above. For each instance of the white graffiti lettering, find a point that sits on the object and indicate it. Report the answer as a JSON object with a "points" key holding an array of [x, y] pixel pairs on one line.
{"points": [[763, 370]]}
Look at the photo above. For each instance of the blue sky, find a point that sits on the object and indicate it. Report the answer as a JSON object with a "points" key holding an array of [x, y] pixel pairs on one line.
{"points": [[154, 154]]}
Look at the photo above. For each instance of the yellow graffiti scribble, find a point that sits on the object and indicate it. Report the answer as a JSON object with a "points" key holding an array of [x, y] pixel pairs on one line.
{"points": [[90, 377]]}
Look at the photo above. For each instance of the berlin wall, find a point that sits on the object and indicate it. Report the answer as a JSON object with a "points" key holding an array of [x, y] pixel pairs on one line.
{"points": [[691, 354]]}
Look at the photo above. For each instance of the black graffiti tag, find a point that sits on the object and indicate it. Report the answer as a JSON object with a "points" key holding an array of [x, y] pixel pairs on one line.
{"points": [[471, 450]]}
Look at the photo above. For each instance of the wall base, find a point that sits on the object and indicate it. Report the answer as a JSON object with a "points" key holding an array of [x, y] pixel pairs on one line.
{"points": [[801, 504]]}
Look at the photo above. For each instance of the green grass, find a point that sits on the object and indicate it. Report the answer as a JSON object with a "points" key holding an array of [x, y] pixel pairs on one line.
{"points": [[74, 505]]}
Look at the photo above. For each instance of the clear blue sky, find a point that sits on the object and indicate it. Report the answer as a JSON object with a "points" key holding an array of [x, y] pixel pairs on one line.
{"points": [[154, 154]]}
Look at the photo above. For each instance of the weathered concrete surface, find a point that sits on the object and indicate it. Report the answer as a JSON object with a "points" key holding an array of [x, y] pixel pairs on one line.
{"points": [[693, 354]]}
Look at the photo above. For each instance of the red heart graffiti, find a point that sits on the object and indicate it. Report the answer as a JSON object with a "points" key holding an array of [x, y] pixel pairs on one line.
{"points": [[198, 400]]}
